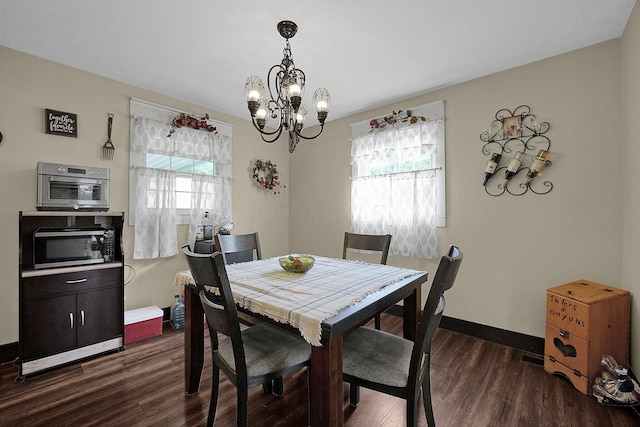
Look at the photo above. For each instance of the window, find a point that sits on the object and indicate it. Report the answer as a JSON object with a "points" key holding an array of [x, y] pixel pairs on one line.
{"points": [[396, 165], [174, 180], [185, 168], [397, 184]]}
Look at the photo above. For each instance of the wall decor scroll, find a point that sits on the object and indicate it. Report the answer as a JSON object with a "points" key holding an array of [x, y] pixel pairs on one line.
{"points": [[518, 150], [60, 123]]}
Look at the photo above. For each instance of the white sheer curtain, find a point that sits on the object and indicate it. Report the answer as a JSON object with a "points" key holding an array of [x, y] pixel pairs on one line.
{"points": [[212, 194], [155, 213], [150, 136], [400, 204], [153, 191]]}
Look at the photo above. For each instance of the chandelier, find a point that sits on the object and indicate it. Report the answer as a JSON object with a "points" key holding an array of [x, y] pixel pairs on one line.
{"points": [[286, 88]]}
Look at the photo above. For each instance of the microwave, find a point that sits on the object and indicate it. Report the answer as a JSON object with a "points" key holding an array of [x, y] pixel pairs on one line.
{"points": [[67, 247], [63, 187]]}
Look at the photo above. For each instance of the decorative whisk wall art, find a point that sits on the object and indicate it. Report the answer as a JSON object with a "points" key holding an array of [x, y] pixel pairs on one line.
{"points": [[518, 150]]}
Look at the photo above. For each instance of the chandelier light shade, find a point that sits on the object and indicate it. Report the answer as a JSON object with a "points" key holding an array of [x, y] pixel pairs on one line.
{"points": [[283, 103]]}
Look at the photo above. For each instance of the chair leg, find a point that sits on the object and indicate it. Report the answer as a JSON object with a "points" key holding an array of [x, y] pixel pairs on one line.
{"points": [[213, 403], [412, 411], [354, 395], [428, 408], [242, 410], [308, 397], [267, 388], [426, 396], [278, 386], [377, 322]]}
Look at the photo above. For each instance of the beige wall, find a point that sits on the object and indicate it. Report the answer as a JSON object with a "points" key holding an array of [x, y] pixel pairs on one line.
{"points": [[515, 247], [631, 174], [28, 85]]}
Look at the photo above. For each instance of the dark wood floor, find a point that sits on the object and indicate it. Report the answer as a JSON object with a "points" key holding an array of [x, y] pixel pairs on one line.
{"points": [[475, 383]]}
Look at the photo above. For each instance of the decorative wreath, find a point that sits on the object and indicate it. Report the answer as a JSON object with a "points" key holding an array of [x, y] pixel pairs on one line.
{"points": [[265, 174], [193, 122]]}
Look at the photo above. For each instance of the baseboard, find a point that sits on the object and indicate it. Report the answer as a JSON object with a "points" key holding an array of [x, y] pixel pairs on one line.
{"points": [[517, 340], [9, 352]]}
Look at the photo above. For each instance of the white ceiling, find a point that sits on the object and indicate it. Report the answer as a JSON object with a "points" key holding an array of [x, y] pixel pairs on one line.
{"points": [[367, 53]]}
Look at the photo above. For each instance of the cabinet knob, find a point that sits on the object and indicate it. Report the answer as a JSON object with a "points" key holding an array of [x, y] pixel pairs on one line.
{"points": [[564, 333]]}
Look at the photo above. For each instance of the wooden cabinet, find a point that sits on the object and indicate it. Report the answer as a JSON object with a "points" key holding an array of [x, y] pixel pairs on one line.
{"points": [[69, 313], [585, 320]]}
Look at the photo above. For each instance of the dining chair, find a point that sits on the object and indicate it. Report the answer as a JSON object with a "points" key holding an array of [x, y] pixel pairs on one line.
{"points": [[238, 247], [397, 366], [249, 357], [242, 248], [368, 242]]}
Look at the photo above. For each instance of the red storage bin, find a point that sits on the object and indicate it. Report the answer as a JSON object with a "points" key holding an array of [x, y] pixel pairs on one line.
{"points": [[142, 323]]}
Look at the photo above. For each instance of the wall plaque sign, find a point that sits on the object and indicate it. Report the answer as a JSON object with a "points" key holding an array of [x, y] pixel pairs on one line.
{"points": [[60, 123]]}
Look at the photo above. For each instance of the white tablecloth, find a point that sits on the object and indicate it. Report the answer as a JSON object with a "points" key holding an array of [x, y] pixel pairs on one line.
{"points": [[305, 300]]}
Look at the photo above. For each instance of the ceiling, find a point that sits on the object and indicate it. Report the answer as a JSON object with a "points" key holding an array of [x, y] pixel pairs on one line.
{"points": [[367, 53]]}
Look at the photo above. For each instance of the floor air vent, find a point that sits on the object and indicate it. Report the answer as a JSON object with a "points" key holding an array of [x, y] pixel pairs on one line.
{"points": [[532, 359]]}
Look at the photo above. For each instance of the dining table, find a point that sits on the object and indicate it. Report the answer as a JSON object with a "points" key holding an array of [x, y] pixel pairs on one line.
{"points": [[323, 304]]}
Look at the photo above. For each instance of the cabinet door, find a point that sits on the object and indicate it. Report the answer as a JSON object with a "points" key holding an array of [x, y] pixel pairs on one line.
{"points": [[100, 315], [48, 326]]}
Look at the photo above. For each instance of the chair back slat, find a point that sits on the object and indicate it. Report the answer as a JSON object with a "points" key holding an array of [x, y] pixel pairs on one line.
{"points": [[200, 267], [217, 318], [239, 247], [367, 242]]}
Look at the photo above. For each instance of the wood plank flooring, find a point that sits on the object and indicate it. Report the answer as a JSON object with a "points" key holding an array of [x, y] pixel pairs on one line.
{"points": [[475, 383]]}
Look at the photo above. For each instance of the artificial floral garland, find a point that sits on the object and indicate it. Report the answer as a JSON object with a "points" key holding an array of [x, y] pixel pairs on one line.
{"points": [[265, 174], [193, 122], [401, 116]]}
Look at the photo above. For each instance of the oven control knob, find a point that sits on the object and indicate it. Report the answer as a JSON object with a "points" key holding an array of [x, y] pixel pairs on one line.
{"points": [[76, 207], [62, 169]]}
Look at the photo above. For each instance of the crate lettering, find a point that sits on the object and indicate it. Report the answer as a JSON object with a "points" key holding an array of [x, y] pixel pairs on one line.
{"points": [[577, 321], [554, 313], [568, 305], [563, 316]]}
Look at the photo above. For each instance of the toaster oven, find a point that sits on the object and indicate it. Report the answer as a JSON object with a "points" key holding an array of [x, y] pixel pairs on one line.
{"points": [[72, 188]]}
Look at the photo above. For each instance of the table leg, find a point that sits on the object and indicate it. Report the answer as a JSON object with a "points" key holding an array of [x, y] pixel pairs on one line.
{"points": [[411, 314], [193, 340], [326, 387]]}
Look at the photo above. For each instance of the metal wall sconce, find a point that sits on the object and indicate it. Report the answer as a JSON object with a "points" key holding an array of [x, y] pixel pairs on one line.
{"points": [[516, 132]]}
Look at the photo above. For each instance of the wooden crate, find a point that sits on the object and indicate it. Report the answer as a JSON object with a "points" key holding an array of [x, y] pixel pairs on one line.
{"points": [[585, 320]]}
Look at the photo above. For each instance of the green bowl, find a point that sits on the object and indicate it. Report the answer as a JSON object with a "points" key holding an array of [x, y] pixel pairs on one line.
{"points": [[295, 263]]}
